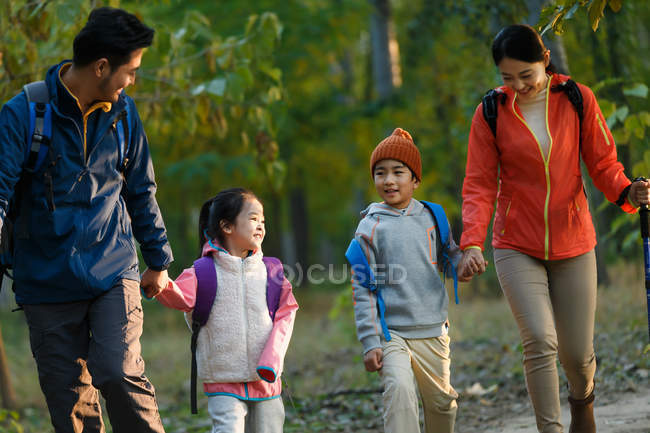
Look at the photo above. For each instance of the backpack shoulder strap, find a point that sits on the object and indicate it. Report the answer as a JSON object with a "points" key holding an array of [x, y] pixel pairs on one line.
{"points": [[274, 280], [206, 292], [490, 108], [442, 229], [360, 266], [206, 289], [40, 124], [121, 125], [363, 275], [575, 96]]}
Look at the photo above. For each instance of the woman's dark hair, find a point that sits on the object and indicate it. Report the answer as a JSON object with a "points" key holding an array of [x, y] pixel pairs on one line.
{"points": [[519, 42], [112, 34], [225, 206]]}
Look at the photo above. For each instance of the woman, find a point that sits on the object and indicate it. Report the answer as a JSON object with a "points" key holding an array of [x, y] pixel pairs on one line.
{"points": [[543, 236]]}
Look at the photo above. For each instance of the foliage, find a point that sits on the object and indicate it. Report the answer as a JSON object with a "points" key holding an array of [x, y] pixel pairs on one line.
{"points": [[553, 16]]}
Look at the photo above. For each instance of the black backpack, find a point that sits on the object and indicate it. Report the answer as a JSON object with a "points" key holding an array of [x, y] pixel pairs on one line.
{"points": [[40, 125], [494, 97]]}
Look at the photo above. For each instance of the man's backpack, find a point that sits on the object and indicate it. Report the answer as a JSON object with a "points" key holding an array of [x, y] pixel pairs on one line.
{"points": [[39, 148], [206, 292], [363, 273], [494, 97]]}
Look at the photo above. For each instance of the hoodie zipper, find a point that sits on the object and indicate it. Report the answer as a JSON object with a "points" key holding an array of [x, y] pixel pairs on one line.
{"points": [[547, 170]]}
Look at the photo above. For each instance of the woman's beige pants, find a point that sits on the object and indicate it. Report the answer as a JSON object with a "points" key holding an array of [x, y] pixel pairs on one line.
{"points": [[554, 303]]}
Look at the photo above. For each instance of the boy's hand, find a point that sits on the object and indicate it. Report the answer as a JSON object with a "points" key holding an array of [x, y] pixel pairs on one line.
{"points": [[372, 360], [471, 263]]}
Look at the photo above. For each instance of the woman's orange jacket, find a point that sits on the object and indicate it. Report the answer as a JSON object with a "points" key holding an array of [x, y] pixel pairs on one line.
{"points": [[541, 206]]}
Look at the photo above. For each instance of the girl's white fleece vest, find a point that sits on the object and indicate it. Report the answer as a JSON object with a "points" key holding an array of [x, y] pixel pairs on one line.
{"points": [[231, 342]]}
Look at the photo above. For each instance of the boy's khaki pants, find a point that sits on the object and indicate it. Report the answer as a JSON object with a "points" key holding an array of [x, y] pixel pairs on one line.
{"points": [[554, 304], [410, 365]]}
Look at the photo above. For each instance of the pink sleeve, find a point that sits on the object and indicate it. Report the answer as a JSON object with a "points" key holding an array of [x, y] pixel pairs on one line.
{"points": [[181, 293], [272, 359]]}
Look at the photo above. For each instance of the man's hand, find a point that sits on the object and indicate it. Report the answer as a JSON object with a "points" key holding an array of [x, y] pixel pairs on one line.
{"points": [[372, 360], [153, 282]]}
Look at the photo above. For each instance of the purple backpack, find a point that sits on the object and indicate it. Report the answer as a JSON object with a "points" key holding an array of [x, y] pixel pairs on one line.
{"points": [[206, 292]]}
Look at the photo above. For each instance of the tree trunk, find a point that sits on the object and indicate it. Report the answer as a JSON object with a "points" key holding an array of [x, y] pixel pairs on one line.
{"points": [[300, 226], [385, 51], [8, 394]]}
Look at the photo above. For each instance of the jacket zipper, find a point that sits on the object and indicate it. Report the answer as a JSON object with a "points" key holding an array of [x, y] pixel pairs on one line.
{"points": [[245, 315], [602, 129], [547, 171]]}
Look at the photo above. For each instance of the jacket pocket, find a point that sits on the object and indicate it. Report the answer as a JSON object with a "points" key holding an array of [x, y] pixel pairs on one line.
{"points": [[504, 206]]}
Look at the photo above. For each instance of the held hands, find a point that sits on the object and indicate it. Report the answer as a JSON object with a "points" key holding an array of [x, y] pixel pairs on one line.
{"points": [[153, 282], [471, 263], [640, 192], [373, 360]]}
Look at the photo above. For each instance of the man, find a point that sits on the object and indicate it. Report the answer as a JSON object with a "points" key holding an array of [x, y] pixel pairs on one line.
{"points": [[76, 268]]}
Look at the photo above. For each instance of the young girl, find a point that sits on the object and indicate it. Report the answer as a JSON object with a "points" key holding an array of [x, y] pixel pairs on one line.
{"points": [[240, 350], [543, 235]]}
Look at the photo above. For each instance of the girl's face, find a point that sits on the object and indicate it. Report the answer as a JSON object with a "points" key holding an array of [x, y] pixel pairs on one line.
{"points": [[247, 233], [527, 79]]}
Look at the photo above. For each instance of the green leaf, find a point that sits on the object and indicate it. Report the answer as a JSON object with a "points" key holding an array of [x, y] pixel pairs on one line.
{"points": [[596, 9], [639, 90], [615, 5], [217, 87], [622, 113]]}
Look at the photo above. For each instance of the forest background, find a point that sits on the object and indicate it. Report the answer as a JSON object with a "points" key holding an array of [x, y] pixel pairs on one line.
{"points": [[288, 98]]}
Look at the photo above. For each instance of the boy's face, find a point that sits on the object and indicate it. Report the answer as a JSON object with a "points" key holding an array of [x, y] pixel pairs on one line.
{"points": [[394, 182]]}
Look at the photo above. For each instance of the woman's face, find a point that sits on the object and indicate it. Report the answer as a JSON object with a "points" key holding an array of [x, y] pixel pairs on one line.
{"points": [[527, 79]]}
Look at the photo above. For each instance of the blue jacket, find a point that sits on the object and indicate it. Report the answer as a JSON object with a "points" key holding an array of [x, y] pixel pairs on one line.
{"points": [[85, 245]]}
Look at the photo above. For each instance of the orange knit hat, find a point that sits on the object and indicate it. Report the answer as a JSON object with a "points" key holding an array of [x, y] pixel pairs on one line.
{"points": [[399, 145]]}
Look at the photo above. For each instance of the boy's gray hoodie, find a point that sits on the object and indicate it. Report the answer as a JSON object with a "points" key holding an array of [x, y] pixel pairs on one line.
{"points": [[402, 248]]}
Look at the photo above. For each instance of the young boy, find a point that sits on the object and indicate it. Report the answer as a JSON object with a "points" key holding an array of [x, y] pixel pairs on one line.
{"points": [[409, 344]]}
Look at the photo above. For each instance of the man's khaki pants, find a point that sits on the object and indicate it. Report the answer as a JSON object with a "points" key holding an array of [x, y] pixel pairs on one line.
{"points": [[411, 365]]}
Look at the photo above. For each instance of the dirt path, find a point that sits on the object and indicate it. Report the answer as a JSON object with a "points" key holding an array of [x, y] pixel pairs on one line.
{"points": [[629, 414]]}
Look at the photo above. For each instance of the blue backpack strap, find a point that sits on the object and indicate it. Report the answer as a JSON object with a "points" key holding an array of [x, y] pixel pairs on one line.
{"points": [[206, 292], [362, 273], [121, 125], [274, 280], [442, 228], [40, 124]]}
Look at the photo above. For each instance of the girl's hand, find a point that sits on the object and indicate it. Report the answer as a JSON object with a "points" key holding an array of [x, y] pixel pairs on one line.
{"points": [[372, 359], [640, 192]]}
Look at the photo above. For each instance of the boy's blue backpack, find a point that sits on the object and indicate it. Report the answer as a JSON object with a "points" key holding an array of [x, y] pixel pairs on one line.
{"points": [[38, 145], [206, 292], [363, 273]]}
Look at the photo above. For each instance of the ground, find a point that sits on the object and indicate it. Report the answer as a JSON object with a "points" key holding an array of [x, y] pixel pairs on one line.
{"points": [[327, 390]]}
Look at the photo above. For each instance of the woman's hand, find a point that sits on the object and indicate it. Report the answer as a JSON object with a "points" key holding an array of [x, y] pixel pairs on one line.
{"points": [[640, 192], [471, 263]]}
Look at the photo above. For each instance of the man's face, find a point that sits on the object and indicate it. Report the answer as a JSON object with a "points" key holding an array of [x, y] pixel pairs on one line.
{"points": [[112, 84]]}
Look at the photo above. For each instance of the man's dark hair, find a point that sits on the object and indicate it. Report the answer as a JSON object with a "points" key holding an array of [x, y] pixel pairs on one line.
{"points": [[112, 34]]}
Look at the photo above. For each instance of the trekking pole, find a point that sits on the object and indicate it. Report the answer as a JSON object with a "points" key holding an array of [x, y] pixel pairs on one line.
{"points": [[644, 213]]}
